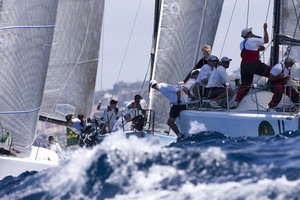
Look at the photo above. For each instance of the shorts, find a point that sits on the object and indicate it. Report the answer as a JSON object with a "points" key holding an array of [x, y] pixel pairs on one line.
{"points": [[175, 110], [216, 91]]}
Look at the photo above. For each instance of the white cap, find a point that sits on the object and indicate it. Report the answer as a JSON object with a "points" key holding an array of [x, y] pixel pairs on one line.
{"points": [[195, 71], [212, 58], [245, 32], [152, 82], [225, 59]]}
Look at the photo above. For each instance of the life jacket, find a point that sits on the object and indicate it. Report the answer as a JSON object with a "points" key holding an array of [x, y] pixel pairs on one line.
{"points": [[249, 56]]}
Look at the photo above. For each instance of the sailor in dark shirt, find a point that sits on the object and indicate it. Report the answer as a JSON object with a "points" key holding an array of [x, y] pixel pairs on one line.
{"points": [[206, 50]]}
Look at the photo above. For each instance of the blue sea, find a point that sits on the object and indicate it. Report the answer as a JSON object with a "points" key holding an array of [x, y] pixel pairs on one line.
{"points": [[206, 165]]}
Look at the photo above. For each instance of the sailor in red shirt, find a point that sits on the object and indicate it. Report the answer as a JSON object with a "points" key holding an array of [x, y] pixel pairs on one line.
{"points": [[250, 65]]}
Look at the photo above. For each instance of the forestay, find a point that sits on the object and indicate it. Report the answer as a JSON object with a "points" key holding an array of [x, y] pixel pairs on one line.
{"points": [[183, 28], [73, 63], [26, 29]]}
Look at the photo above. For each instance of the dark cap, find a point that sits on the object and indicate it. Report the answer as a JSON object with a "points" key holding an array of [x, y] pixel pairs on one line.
{"points": [[137, 97], [68, 117], [50, 138], [212, 58], [113, 101]]}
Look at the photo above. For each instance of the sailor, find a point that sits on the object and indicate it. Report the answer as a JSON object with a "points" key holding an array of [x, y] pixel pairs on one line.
{"points": [[217, 84], [189, 85], [173, 94], [250, 65], [203, 77], [111, 115], [53, 145], [123, 123], [135, 108], [206, 50], [75, 123], [279, 77]]}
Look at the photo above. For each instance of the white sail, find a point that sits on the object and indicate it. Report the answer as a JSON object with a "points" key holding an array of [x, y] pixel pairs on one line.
{"points": [[289, 32], [289, 28], [26, 33], [73, 63], [183, 28]]}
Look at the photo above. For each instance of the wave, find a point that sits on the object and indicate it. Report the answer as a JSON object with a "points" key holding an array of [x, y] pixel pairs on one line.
{"points": [[206, 165]]}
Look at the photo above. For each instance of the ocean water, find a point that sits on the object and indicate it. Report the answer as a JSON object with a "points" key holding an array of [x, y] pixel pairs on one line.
{"points": [[206, 165]]}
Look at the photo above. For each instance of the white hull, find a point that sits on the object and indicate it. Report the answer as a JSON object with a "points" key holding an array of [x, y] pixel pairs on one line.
{"points": [[246, 120], [38, 160]]}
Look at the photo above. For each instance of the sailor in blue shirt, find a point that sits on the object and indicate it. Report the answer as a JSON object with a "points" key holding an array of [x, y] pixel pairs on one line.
{"points": [[75, 123]]}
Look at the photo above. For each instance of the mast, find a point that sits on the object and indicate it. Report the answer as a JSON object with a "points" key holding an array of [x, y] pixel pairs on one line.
{"points": [[155, 31], [276, 27]]}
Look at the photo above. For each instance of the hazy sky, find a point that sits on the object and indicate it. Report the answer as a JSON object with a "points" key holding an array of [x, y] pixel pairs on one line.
{"points": [[119, 17]]}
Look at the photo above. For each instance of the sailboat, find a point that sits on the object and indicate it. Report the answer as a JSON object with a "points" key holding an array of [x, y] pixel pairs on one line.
{"points": [[252, 117], [62, 37]]}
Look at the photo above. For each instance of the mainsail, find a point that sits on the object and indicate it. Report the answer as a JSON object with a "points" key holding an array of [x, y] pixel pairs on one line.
{"points": [[26, 33], [183, 28], [287, 32], [289, 28], [73, 63]]}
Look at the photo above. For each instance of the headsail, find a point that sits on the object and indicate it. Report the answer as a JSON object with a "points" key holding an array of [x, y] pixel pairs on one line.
{"points": [[26, 35], [184, 26], [73, 63]]}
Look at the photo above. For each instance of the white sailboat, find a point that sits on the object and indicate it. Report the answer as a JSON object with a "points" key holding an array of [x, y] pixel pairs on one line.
{"points": [[251, 117], [64, 35]]}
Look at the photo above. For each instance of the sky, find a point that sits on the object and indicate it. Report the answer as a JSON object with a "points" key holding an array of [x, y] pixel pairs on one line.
{"points": [[127, 37]]}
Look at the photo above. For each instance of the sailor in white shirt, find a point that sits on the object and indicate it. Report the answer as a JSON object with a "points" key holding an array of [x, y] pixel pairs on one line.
{"points": [[123, 123], [204, 75], [189, 85], [111, 115], [279, 77], [54, 146], [173, 94], [217, 83]]}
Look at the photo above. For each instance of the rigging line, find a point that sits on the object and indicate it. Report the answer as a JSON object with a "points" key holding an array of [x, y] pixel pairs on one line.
{"points": [[268, 11], [148, 69], [248, 8], [77, 61], [135, 18], [228, 29]]}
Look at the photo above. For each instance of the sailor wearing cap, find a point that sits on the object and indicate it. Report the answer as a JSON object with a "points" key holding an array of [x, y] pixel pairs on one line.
{"points": [[279, 76], [250, 65], [111, 115], [217, 81], [202, 80], [173, 94], [123, 123], [135, 106], [189, 85]]}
